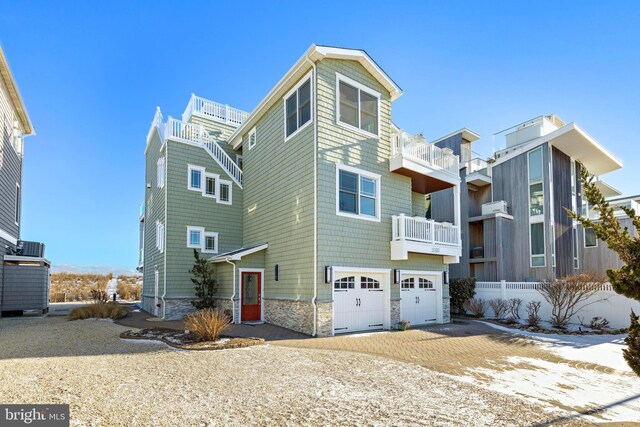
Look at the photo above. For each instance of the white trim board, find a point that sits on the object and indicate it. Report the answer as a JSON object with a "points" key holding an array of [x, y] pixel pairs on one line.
{"points": [[8, 237]]}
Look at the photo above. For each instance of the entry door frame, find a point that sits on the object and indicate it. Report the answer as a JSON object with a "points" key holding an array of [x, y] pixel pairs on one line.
{"points": [[357, 271], [251, 270], [438, 285]]}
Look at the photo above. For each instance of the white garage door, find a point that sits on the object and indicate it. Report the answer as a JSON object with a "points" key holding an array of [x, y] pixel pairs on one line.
{"points": [[358, 302], [418, 303]]}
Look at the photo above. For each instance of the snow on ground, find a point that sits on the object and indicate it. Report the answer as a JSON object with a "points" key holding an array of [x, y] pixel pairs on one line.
{"points": [[605, 350], [609, 392]]}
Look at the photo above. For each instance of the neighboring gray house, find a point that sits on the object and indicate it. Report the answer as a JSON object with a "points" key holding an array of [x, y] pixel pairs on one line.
{"points": [[515, 226], [24, 273], [311, 207]]}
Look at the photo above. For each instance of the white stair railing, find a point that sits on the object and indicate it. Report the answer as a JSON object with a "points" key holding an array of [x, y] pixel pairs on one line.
{"points": [[197, 134]]}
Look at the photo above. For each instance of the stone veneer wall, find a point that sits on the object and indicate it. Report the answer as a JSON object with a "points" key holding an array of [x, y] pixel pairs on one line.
{"points": [[294, 315], [446, 304], [177, 308], [325, 318], [395, 314]]}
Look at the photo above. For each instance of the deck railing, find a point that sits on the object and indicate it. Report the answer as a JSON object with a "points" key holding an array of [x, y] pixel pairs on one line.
{"points": [[197, 134], [419, 229], [477, 165], [405, 144], [219, 112]]}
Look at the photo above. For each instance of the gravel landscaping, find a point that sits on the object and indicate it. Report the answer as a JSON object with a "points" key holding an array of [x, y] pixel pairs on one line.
{"points": [[109, 381]]}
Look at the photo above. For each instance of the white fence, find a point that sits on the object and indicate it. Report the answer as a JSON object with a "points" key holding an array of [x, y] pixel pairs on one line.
{"points": [[605, 303]]}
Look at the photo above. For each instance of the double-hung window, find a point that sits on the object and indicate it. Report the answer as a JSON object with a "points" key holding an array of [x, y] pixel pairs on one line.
{"points": [[357, 105], [196, 176], [252, 138], [225, 192], [198, 238], [297, 108], [536, 208], [210, 183], [358, 193]]}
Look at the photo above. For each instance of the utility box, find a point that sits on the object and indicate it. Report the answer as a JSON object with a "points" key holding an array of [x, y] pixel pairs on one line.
{"points": [[25, 285], [495, 207], [31, 249]]}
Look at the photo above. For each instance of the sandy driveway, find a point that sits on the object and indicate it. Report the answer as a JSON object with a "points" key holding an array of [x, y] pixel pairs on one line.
{"points": [[112, 382]]}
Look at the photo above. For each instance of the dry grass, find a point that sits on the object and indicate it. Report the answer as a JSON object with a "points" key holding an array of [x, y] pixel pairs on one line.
{"points": [[207, 324], [98, 311], [130, 287], [76, 287]]}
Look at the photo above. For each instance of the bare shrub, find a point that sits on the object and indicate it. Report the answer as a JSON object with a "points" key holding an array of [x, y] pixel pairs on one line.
{"points": [[76, 286], [599, 323], [499, 307], [98, 311], [476, 306], [568, 296], [207, 324], [533, 308], [98, 296], [514, 307]]}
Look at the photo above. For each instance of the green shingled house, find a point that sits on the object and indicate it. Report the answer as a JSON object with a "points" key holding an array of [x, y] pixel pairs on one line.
{"points": [[312, 207]]}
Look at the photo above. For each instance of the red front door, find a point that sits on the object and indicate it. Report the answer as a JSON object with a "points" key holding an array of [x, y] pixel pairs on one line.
{"points": [[251, 297]]}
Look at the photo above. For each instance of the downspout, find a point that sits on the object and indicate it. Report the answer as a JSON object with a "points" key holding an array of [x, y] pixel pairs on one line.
{"points": [[164, 239], [315, 199], [233, 293]]}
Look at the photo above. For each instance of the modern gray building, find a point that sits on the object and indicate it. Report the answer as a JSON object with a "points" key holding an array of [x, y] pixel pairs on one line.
{"points": [[24, 272], [514, 223]]}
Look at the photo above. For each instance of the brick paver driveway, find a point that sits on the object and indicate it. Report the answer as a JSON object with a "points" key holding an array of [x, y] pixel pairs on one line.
{"points": [[451, 348]]}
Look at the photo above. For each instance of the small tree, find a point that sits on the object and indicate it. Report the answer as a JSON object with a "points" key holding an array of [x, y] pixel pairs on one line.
{"points": [[626, 280], [461, 291], [533, 308], [500, 308], [204, 281], [632, 352], [568, 296]]}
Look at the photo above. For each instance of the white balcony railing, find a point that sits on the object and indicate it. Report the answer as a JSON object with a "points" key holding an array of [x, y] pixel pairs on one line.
{"points": [[419, 229], [197, 134], [214, 110], [424, 152]]}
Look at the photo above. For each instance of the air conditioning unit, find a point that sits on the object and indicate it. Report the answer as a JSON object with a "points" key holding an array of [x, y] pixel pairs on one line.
{"points": [[33, 249], [495, 207]]}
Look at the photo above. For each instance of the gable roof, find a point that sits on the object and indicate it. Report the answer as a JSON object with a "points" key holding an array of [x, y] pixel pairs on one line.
{"points": [[14, 94], [314, 54]]}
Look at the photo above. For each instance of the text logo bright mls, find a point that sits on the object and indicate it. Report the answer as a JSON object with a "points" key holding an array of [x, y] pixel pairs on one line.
{"points": [[34, 415]]}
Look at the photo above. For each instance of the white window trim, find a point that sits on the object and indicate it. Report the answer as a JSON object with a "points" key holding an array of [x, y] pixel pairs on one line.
{"points": [[361, 87], [365, 174], [18, 200], [160, 175], [576, 247], [159, 236], [229, 184], [203, 236], [301, 82], [199, 230], [195, 168], [252, 132], [584, 239], [204, 187], [204, 242], [544, 245]]}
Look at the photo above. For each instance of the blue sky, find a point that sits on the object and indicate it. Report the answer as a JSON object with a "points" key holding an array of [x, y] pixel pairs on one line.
{"points": [[91, 74]]}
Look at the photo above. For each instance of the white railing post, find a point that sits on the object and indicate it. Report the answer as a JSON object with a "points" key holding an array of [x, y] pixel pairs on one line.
{"points": [[503, 289], [401, 227]]}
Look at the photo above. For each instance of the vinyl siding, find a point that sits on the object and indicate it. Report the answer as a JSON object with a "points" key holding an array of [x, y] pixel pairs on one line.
{"points": [[189, 208], [278, 203], [154, 211], [353, 242], [10, 165], [224, 274]]}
